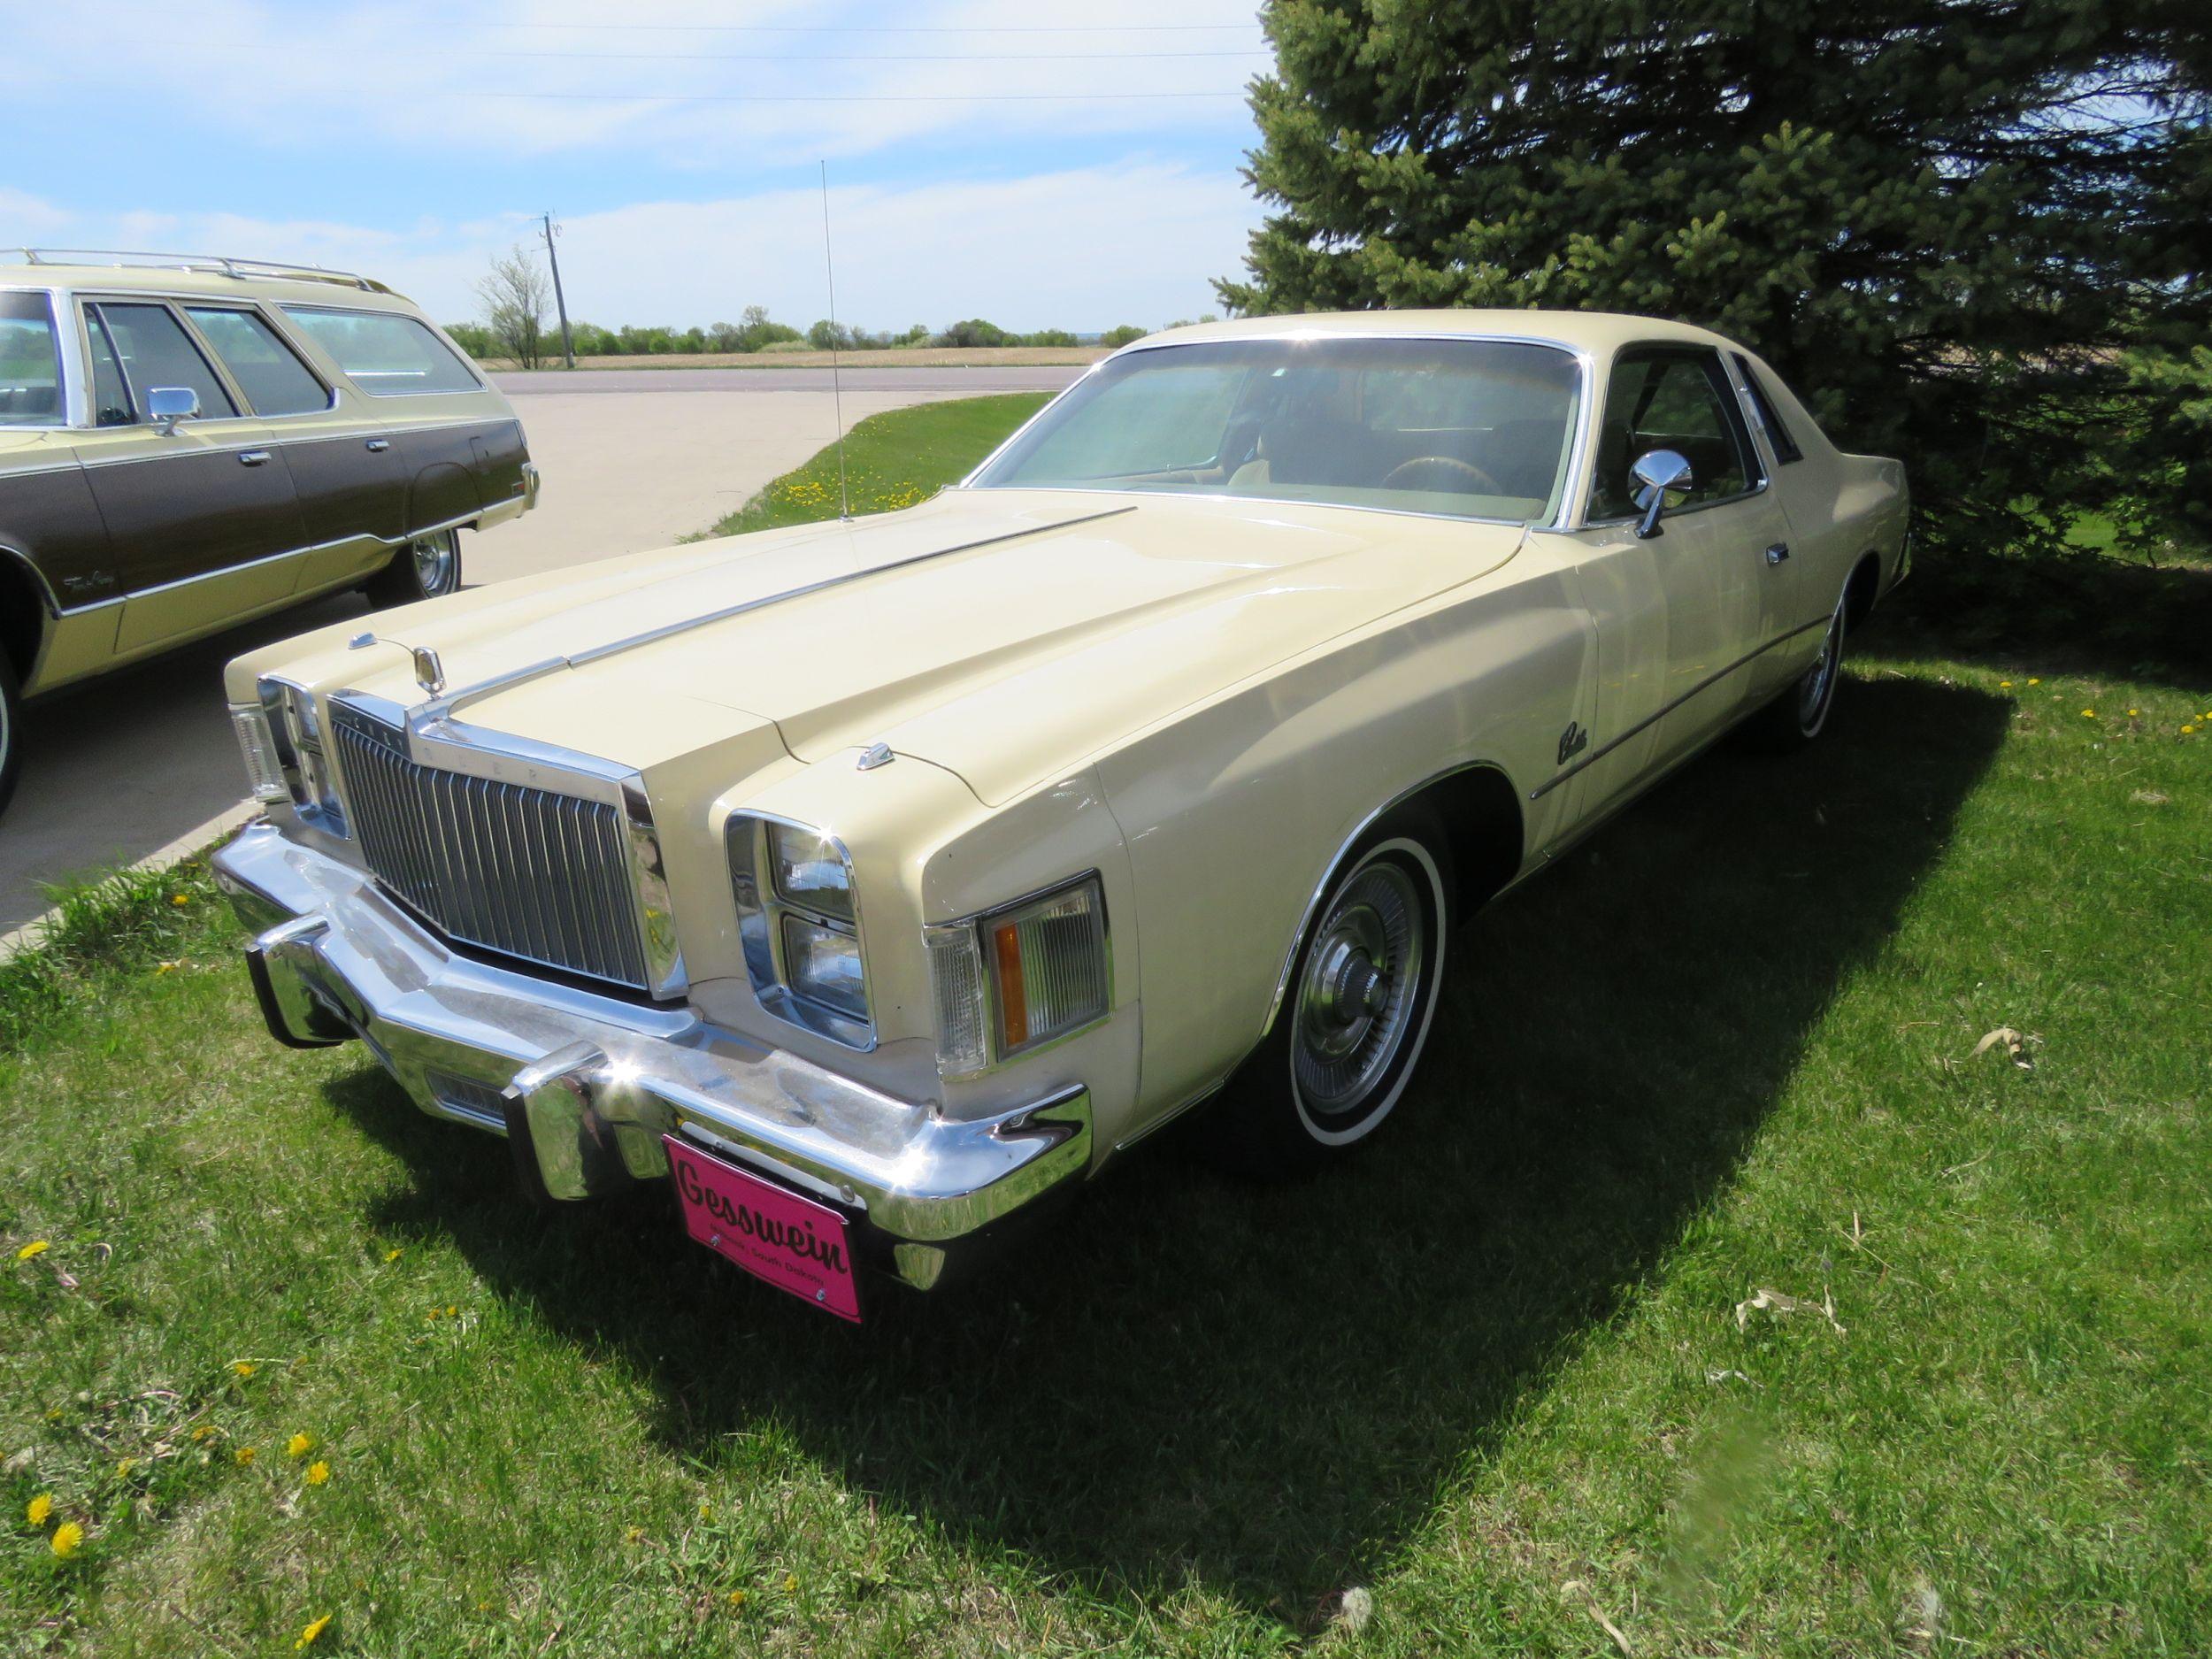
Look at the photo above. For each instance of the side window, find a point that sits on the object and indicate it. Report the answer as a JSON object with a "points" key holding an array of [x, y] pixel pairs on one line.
{"points": [[1669, 400], [30, 365], [384, 353], [1785, 449], [155, 351], [275, 382]]}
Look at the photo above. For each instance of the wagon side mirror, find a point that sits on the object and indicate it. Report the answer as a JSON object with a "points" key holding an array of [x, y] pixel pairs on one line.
{"points": [[1659, 473], [166, 405]]}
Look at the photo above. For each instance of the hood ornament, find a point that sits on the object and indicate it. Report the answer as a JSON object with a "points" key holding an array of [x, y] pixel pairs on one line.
{"points": [[429, 671]]}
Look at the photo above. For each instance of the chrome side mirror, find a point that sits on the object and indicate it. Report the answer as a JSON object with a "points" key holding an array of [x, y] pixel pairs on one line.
{"points": [[1659, 473], [166, 405]]}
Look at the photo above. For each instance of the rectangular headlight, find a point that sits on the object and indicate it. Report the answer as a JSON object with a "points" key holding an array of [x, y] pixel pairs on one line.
{"points": [[264, 773], [1019, 978], [823, 965], [810, 871], [799, 926]]}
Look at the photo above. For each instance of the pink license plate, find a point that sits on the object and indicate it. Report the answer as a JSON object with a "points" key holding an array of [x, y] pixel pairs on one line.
{"points": [[793, 1242]]}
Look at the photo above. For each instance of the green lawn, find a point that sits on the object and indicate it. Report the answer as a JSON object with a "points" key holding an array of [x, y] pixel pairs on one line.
{"points": [[1491, 1376], [892, 460]]}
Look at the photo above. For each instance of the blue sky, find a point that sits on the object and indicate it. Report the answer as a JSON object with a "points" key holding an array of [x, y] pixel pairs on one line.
{"points": [[1035, 163]]}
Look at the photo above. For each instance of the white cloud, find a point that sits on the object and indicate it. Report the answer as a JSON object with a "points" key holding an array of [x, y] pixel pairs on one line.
{"points": [[1084, 248]]}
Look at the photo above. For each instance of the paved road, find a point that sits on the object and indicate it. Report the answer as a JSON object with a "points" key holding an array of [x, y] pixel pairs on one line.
{"points": [[634, 458]]}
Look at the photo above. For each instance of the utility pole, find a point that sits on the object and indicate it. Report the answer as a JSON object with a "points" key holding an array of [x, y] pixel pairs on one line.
{"points": [[560, 302]]}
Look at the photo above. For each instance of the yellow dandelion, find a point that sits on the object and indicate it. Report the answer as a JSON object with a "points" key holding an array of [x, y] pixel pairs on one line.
{"points": [[36, 1247], [205, 1432], [299, 1446], [2133, 712], [392, 1254], [318, 1472], [180, 898], [736, 1599], [2032, 681], [67, 1539], [790, 1583], [161, 968], [2088, 714], [124, 1466], [38, 1508], [452, 1313], [244, 1454], [2004, 685], [244, 1367], [706, 1512], [310, 1631], [2186, 730]]}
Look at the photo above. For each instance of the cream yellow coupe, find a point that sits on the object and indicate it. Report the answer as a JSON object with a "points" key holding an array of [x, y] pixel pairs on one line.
{"points": [[869, 882]]}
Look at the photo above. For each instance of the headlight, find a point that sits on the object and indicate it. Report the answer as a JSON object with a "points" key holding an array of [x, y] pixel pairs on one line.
{"points": [[799, 922], [264, 773], [296, 746], [1016, 978]]}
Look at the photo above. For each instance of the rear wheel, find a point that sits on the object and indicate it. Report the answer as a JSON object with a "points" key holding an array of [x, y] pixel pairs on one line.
{"points": [[428, 567], [1801, 714], [11, 731], [1355, 1016]]}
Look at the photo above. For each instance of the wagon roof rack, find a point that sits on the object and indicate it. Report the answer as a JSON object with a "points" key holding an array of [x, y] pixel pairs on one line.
{"points": [[226, 265]]}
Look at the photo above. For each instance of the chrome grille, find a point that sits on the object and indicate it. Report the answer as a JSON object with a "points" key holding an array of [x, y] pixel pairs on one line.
{"points": [[524, 871]]}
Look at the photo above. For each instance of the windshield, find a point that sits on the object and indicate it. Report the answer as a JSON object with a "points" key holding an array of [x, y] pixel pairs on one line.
{"points": [[1465, 428]]}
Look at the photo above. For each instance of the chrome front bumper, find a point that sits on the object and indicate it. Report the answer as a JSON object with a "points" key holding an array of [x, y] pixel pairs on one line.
{"points": [[584, 1086]]}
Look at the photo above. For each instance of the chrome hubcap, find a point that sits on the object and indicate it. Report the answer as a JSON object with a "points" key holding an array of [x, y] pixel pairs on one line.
{"points": [[433, 563], [1812, 695], [1355, 999]]}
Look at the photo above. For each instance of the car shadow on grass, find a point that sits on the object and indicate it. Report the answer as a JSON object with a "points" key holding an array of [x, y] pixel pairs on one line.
{"points": [[1191, 1381]]}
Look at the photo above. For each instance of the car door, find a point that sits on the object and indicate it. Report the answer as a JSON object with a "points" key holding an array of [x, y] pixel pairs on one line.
{"points": [[348, 470], [198, 517], [1682, 616]]}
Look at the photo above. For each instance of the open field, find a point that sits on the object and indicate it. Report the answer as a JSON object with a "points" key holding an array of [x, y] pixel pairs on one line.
{"points": [[1494, 1376], [894, 358]]}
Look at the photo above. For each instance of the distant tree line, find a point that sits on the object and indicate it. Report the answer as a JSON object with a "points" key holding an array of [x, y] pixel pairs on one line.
{"points": [[514, 330]]}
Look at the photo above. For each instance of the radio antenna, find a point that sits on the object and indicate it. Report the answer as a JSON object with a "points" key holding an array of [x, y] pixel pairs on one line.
{"points": [[837, 391]]}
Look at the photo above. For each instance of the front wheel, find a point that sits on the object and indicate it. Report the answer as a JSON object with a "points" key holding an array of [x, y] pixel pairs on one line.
{"points": [[1355, 1016], [428, 567]]}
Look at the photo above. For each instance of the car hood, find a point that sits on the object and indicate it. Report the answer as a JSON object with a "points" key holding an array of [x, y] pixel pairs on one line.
{"points": [[1000, 634]]}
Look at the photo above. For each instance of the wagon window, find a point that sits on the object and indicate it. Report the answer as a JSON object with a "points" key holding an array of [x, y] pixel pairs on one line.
{"points": [[384, 353], [275, 380], [154, 351], [30, 366], [1457, 427]]}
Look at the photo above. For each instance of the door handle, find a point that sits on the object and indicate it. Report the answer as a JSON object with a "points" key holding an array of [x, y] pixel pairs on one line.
{"points": [[252, 458], [377, 446], [1777, 552]]}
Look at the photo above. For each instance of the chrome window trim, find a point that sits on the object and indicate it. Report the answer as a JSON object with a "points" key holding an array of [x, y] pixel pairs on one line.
{"points": [[975, 922], [1571, 490], [770, 977], [502, 758]]}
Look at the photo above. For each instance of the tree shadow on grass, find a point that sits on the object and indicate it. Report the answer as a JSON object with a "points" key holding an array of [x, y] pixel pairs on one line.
{"points": [[1189, 1380]]}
